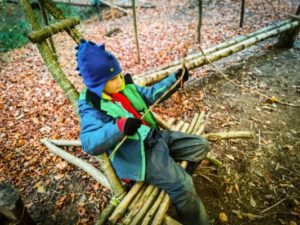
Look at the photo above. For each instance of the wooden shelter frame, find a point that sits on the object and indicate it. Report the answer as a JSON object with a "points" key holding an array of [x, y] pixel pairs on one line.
{"points": [[119, 203]]}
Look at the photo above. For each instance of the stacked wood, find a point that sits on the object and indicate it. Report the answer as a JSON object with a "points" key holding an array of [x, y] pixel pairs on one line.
{"points": [[220, 51]]}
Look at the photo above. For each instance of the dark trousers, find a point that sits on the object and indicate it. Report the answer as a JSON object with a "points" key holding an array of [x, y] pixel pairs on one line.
{"points": [[163, 149]]}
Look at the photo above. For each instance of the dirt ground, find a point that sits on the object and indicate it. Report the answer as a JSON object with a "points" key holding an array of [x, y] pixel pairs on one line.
{"points": [[260, 179]]}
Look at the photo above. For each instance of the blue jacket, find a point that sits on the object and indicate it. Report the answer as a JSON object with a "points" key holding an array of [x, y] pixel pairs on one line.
{"points": [[99, 132]]}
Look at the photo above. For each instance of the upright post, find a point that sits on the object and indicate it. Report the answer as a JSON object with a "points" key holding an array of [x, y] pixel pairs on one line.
{"points": [[199, 21], [242, 13], [136, 31]]}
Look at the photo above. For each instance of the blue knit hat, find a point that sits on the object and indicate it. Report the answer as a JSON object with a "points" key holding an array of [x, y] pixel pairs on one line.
{"points": [[96, 65]]}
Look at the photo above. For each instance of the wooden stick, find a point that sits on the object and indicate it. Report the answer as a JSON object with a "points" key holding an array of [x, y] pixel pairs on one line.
{"points": [[168, 220], [151, 212], [216, 55], [49, 31], [193, 123], [228, 135], [159, 216], [145, 207], [137, 197], [198, 123], [95, 173], [121, 208], [139, 204], [161, 122]]}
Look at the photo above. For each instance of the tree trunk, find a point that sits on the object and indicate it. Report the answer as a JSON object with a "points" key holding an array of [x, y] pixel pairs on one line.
{"points": [[287, 39]]}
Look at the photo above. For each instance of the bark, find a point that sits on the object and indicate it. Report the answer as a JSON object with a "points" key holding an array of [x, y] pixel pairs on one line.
{"points": [[220, 51], [48, 31], [136, 31]]}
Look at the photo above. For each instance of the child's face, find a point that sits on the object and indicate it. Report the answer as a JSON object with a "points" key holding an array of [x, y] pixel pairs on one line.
{"points": [[114, 85]]}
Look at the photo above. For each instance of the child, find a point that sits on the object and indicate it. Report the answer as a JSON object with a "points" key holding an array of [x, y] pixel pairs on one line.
{"points": [[111, 107]]}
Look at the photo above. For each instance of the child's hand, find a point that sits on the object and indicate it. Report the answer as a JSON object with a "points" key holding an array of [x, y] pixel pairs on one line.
{"points": [[185, 76], [129, 126]]}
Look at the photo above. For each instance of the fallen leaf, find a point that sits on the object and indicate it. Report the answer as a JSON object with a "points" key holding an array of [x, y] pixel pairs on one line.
{"points": [[223, 217], [252, 202]]}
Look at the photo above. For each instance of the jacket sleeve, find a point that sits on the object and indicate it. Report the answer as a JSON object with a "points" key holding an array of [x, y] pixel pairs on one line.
{"points": [[152, 93], [98, 131]]}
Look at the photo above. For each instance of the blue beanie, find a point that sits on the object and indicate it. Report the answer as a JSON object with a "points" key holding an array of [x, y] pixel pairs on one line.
{"points": [[96, 65]]}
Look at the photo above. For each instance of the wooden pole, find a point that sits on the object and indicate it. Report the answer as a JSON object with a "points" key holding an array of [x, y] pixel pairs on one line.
{"points": [[45, 16], [12, 206], [58, 14], [242, 13], [50, 60], [48, 31], [199, 21], [136, 31], [229, 50], [95, 173]]}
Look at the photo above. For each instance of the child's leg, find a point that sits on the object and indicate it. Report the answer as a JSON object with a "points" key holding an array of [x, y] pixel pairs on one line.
{"points": [[162, 171]]}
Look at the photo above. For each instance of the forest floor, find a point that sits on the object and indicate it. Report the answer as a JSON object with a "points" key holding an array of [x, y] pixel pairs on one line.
{"points": [[259, 180]]}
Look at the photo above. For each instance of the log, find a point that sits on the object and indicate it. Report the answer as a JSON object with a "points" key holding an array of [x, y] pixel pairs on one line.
{"points": [[121, 208], [217, 52], [216, 48], [150, 214], [228, 135], [95, 173], [146, 205], [12, 206], [139, 204], [159, 216], [48, 31], [168, 220]]}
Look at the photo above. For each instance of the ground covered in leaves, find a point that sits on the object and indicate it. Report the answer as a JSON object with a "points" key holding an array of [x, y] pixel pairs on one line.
{"points": [[259, 180]]}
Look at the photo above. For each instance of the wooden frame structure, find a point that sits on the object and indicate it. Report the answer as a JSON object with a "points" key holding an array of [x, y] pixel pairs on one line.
{"points": [[140, 206]]}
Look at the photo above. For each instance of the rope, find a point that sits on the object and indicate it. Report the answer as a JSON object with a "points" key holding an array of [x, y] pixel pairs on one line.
{"points": [[272, 99]]}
